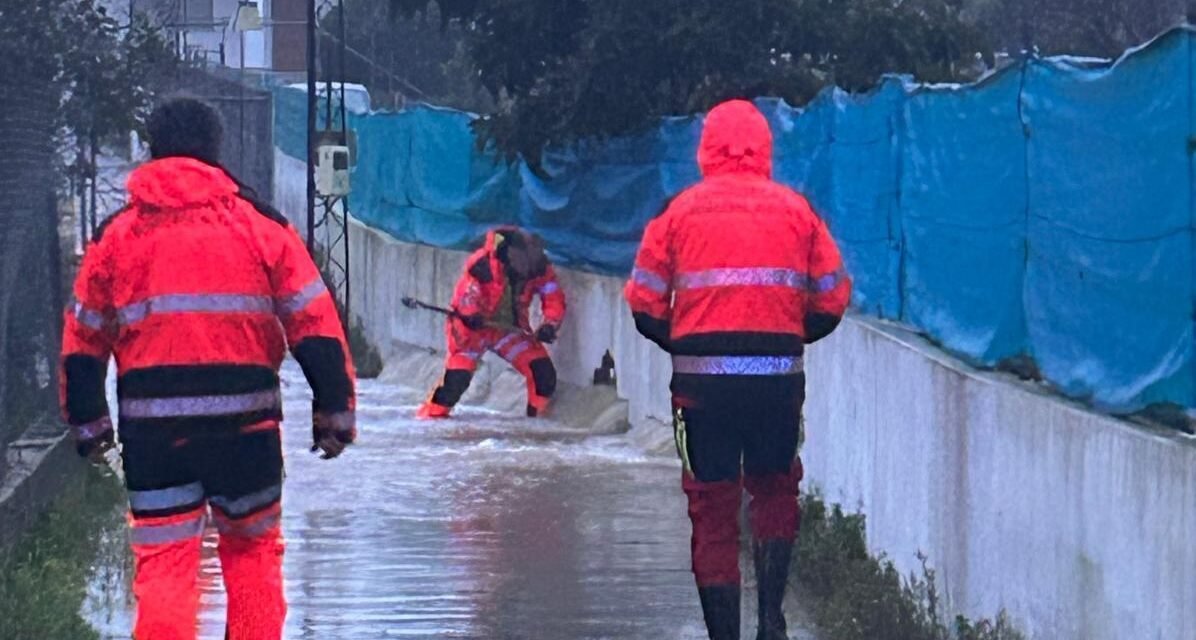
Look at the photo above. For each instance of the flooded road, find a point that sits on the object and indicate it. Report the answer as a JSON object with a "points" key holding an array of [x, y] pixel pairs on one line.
{"points": [[486, 526]]}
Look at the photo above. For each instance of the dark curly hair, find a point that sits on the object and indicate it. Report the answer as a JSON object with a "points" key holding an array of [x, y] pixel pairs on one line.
{"points": [[187, 127]]}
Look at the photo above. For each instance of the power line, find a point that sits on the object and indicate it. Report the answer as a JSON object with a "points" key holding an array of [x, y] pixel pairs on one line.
{"points": [[370, 61]]}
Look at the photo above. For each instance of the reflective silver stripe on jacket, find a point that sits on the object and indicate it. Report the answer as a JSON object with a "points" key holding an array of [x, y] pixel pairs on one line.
{"points": [[89, 318], [649, 281], [162, 499], [747, 277], [297, 302], [189, 406], [827, 283], [549, 288], [195, 303], [738, 365]]}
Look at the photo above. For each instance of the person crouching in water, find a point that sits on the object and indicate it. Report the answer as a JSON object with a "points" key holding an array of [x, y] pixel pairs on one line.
{"points": [[491, 304]]}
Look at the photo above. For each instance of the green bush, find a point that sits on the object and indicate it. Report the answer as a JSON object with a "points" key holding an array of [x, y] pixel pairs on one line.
{"points": [[43, 577], [365, 356], [854, 596]]}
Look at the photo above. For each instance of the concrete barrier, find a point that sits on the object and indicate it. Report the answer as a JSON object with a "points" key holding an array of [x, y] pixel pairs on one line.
{"points": [[1078, 524], [40, 466]]}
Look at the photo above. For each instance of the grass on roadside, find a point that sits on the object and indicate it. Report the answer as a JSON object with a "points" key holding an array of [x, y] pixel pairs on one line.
{"points": [[854, 596], [43, 577], [366, 358]]}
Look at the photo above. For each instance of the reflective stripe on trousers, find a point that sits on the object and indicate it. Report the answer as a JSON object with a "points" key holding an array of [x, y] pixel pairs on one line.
{"points": [[248, 504], [253, 526], [155, 531], [169, 498]]}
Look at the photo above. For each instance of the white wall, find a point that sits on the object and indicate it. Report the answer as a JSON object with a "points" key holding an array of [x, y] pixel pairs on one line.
{"points": [[220, 31], [1080, 525]]}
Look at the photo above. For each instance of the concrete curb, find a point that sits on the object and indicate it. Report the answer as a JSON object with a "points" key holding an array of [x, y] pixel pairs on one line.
{"points": [[39, 467]]}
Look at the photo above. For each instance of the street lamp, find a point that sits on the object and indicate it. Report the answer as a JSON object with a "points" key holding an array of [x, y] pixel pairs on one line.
{"points": [[249, 16]]}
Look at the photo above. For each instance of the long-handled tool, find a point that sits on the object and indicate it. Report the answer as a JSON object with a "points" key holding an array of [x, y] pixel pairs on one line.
{"points": [[412, 303]]}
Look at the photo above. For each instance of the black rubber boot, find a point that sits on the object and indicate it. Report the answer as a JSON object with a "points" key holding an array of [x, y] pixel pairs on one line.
{"points": [[772, 576], [720, 607]]}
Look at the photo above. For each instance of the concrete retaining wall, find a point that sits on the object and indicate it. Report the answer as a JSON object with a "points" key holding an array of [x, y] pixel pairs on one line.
{"points": [[1080, 525], [39, 468]]}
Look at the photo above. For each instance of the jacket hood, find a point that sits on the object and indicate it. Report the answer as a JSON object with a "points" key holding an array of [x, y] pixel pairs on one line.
{"points": [[173, 183], [735, 139], [493, 236]]}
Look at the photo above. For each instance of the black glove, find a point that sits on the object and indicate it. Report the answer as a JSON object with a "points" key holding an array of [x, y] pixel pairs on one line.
{"points": [[331, 433], [473, 322], [546, 334], [94, 440]]}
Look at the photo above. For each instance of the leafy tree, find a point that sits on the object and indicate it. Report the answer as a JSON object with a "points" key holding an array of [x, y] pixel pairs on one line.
{"points": [[1087, 27], [567, 70], [104, 73], [103, 69], [419, 57], [110, 76]]}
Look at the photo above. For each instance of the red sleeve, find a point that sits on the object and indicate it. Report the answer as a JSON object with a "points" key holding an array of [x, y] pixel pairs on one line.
{"points": [[467, 297], [650, 288], [649, 291], [552, 298], [830, 286], [87, 339], [313, 326]]}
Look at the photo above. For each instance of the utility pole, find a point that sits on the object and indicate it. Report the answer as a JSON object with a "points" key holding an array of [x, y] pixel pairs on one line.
{"points": [[240, 93], [311, 126], [345, 132]]}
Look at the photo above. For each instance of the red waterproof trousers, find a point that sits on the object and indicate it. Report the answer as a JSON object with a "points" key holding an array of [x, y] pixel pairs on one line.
{"points": [[466, 348]]}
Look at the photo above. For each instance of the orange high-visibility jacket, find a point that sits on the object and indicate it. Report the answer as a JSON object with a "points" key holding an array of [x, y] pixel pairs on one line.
{"points": [[198, 291], [480, 291], [738, 265]]}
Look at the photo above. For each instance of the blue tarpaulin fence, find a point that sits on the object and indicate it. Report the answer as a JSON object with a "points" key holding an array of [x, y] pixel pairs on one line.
{"points": [[1045, 212]]}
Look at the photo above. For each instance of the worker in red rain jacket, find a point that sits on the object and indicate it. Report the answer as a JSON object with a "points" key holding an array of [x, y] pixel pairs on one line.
{"points": [[734, 280], [198, 291], [491, 305]]}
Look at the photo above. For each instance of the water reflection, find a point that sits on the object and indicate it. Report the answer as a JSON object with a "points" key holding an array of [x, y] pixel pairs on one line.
{"points": [[483, 527]]}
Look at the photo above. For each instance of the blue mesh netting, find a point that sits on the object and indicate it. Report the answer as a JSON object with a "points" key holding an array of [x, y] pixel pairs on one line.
{"points": [[1047, 211]]}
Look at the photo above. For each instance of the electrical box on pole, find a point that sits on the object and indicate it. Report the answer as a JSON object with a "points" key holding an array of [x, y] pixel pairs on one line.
{"points": [[332, 171]]}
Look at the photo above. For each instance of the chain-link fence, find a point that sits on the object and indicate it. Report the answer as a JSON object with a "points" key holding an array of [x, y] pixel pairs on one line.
{"points": [[248, 115], [30, 261]]}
